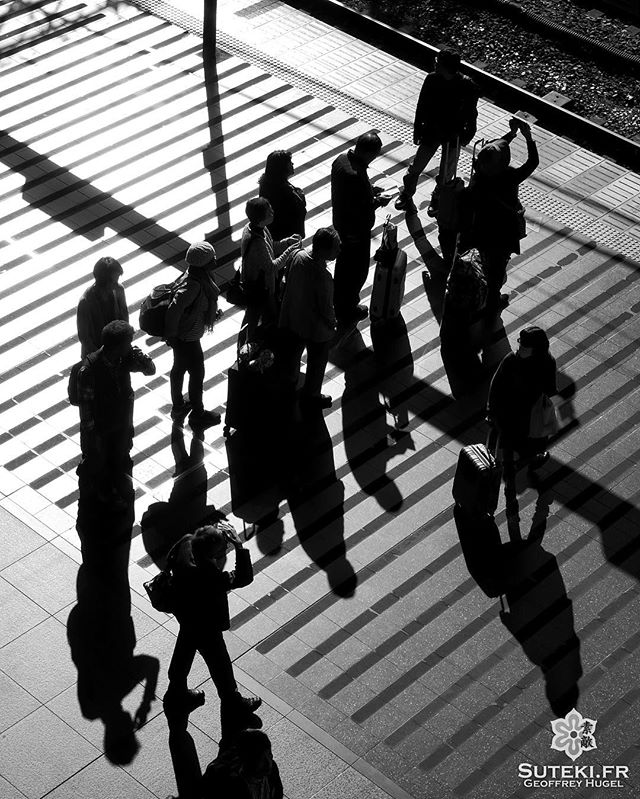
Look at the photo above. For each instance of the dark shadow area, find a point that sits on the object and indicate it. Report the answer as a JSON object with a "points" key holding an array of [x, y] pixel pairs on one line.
{"points": [[316, 502], [536, 610], [101, 633], [81, 207], [164, 523], [369, 440]]}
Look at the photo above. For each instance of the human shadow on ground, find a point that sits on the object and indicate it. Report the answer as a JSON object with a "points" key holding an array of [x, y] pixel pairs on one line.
{"points": [[164, 523], [101, 633], [316, 501], [369, 440], [84, 209], [538, 612]]}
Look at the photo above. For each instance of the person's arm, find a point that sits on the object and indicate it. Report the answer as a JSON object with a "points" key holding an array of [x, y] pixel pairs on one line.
{"points": [[423, 109], [243, 573], [550, 387], [184, 297], [525, 170], [469, 111], [324, 300], [85, 328]]}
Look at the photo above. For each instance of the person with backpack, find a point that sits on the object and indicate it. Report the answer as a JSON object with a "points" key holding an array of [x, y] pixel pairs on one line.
{"points": [[445, 117], [101, 303], [105, 401], [193, 309], [263, 262], [496, 214], [287, 201], [200, 587]]}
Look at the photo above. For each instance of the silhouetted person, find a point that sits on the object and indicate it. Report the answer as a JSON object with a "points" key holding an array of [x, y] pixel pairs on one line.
{"points": [[520, 381], [202, 609], [105, 400], [308, 315], [497, 217], [445, 117], [354, 202], [101, 303], [263, 260], [287, 201], [192, 311]]}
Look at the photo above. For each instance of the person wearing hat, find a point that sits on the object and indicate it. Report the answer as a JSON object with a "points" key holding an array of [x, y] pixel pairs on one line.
{"points": [[497, 216], [192, 311], [521, 381], [101, 303], [445, 117], [200, 587]]}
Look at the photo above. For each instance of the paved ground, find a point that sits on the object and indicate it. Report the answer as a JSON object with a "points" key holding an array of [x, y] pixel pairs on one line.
{"points": [[412, 686]]}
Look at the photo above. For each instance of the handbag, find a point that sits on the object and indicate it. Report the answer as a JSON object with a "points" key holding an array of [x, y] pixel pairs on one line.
{"points": [[543, 421], [161, 592]]}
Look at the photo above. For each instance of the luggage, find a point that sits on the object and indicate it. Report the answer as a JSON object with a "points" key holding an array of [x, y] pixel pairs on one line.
{"points": [[476, 484], [153, 310], [389, 277]]}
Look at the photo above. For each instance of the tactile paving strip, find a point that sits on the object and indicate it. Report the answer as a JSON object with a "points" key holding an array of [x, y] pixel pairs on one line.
{"points": [[534, 199]]}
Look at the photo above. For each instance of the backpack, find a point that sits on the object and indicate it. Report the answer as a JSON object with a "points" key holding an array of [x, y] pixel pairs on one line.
{"points": [[72, 387], [153, 311], [466, 289]]}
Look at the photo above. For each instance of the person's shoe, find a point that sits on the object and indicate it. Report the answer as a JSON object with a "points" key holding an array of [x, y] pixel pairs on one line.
{"points": [[539, 460], [203, 419], [185, 703], [248, 704], [316, 401], [361, 312], [179, 413], [404, 202]]}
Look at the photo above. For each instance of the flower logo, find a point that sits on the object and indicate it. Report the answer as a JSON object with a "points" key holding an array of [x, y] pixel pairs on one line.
{"points": [[573, 734]]}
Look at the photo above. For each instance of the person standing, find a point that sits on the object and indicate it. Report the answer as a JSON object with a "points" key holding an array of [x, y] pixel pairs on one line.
{"points": [[354, 202], [263, 261], [521, 383], [105, 401], [101, 303], [287, 201], [200, 589], [192, 311], [445, 117], [497, 216], [308, 315]]}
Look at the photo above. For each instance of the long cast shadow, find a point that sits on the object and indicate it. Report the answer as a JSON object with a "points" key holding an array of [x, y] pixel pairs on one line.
{"points": [[101, 633], [84, 209]]}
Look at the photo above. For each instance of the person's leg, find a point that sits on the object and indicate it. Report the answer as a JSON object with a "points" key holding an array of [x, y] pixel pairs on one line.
{"points": [[350, 274], [495, 264], [184, 652], [425, 152], [449, 156], [317, 357], [176, 376], [213, 649], [195, 367]]}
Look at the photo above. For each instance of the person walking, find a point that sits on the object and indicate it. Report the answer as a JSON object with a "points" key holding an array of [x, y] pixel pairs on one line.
{"points": [[497, 216], [192, 311], [200, 588], [287, 201], [105, 401], [354, 201], [445, 117], [308, 315], [519, 399], [101, 303]]}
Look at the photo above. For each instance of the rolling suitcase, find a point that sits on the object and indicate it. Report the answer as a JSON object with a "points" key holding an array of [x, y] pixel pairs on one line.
{"points": [[388, 280], [476, 483]]}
